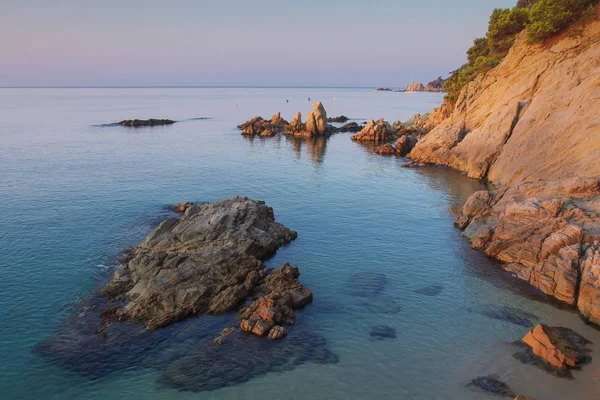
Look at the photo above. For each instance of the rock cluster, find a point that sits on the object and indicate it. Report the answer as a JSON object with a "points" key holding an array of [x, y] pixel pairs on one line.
{"points": [[379, 131], [546, 233], [138, 123], [283, 294], [262, 127], [207, 261], [403, 146], [415, 87]]}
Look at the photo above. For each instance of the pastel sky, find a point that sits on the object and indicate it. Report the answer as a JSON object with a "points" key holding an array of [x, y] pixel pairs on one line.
{"points": [[236, 42]]}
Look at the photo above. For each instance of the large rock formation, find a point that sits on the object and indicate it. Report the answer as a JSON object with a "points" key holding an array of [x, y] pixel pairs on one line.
{"points": [[546, 233], [435, 86], [535, 116], [207, 261], [379, 131], [532, 127], [316, 123], [560, 347]]}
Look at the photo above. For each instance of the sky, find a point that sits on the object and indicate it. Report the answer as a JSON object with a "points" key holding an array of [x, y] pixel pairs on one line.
{"points": [[236, 42]]}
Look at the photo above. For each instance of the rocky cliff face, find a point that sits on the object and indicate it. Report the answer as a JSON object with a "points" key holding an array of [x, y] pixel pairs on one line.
{"points": [[535, 116], [532, 127]]}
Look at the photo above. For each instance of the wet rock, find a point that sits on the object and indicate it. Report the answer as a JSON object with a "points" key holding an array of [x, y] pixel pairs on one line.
{"points": [[366, 284], [560, 347], [379, 131], [277, 332], [405, 144], [509, 314], [385, 149], [181, 207], [244, 357], [382, 332], [219, 340], [340, 119], [491, 385], [138, 123], [197, 263], [431, 290]]}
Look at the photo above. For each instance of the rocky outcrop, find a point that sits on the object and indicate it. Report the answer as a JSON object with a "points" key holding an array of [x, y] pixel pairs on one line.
{"points": [[379, 131], [263, 127], [207, 261], [341, 119], [349, 127], [561, 348], [546, 233], [535, 116], [435, 86], [405, 144], [316, 123], [415, 87], [138, 123]]}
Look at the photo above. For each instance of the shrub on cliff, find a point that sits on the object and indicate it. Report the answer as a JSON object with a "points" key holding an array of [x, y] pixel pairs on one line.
{"points": [[549, 17]]}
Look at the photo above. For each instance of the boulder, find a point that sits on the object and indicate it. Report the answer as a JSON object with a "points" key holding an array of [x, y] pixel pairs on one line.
{"points": [[559, 347], [385, 149], [316, 123], [207, 261], [379, 131], [277, 332]]}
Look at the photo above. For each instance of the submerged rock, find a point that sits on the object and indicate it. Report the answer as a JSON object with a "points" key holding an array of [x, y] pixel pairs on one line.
{"points": [[381, 332], [431, 290], [366, 284], [206, 261], [137, 123], [244, 357], [379, 131], [491, 385], [561, 348], [509, 314]]}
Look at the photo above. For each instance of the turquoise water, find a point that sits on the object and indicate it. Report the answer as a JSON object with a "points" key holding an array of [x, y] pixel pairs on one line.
{"points": [[73, 194]]}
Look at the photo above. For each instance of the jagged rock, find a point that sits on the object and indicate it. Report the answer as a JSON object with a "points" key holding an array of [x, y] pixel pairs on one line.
{"points": [[405, 144], [385, 149], [262, 127], [284, 294], [194, 264], [559, 347], [277, 332], [340, 119], [379, 131], [181, 207], [138, 123], [316, 123]]}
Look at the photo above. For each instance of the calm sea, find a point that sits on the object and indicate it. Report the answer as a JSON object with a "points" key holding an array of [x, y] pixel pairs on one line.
{"points": [[72, 194]]}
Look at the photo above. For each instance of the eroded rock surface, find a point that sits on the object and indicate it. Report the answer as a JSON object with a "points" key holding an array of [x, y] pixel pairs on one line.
{"points": [[207, 261], [380, 131], [560, 347], [546, 233]]}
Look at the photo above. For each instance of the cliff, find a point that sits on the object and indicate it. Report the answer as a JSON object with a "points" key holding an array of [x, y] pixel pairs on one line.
{"points": [[531, 126], [535, 116]]}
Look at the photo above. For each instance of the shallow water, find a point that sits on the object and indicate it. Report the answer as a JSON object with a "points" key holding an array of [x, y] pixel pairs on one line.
{"points": [[73, 194]]}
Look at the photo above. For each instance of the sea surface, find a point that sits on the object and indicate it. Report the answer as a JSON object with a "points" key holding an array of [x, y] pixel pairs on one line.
{"points": [[73, 193]]}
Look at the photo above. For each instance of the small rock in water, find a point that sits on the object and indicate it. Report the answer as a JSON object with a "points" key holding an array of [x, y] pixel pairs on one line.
{"points": [[383, 332], [554, 349], [277, 332], [431, 290], [137, 123], [218, 340], [492, 385], [181, 207], [366, 284]]}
